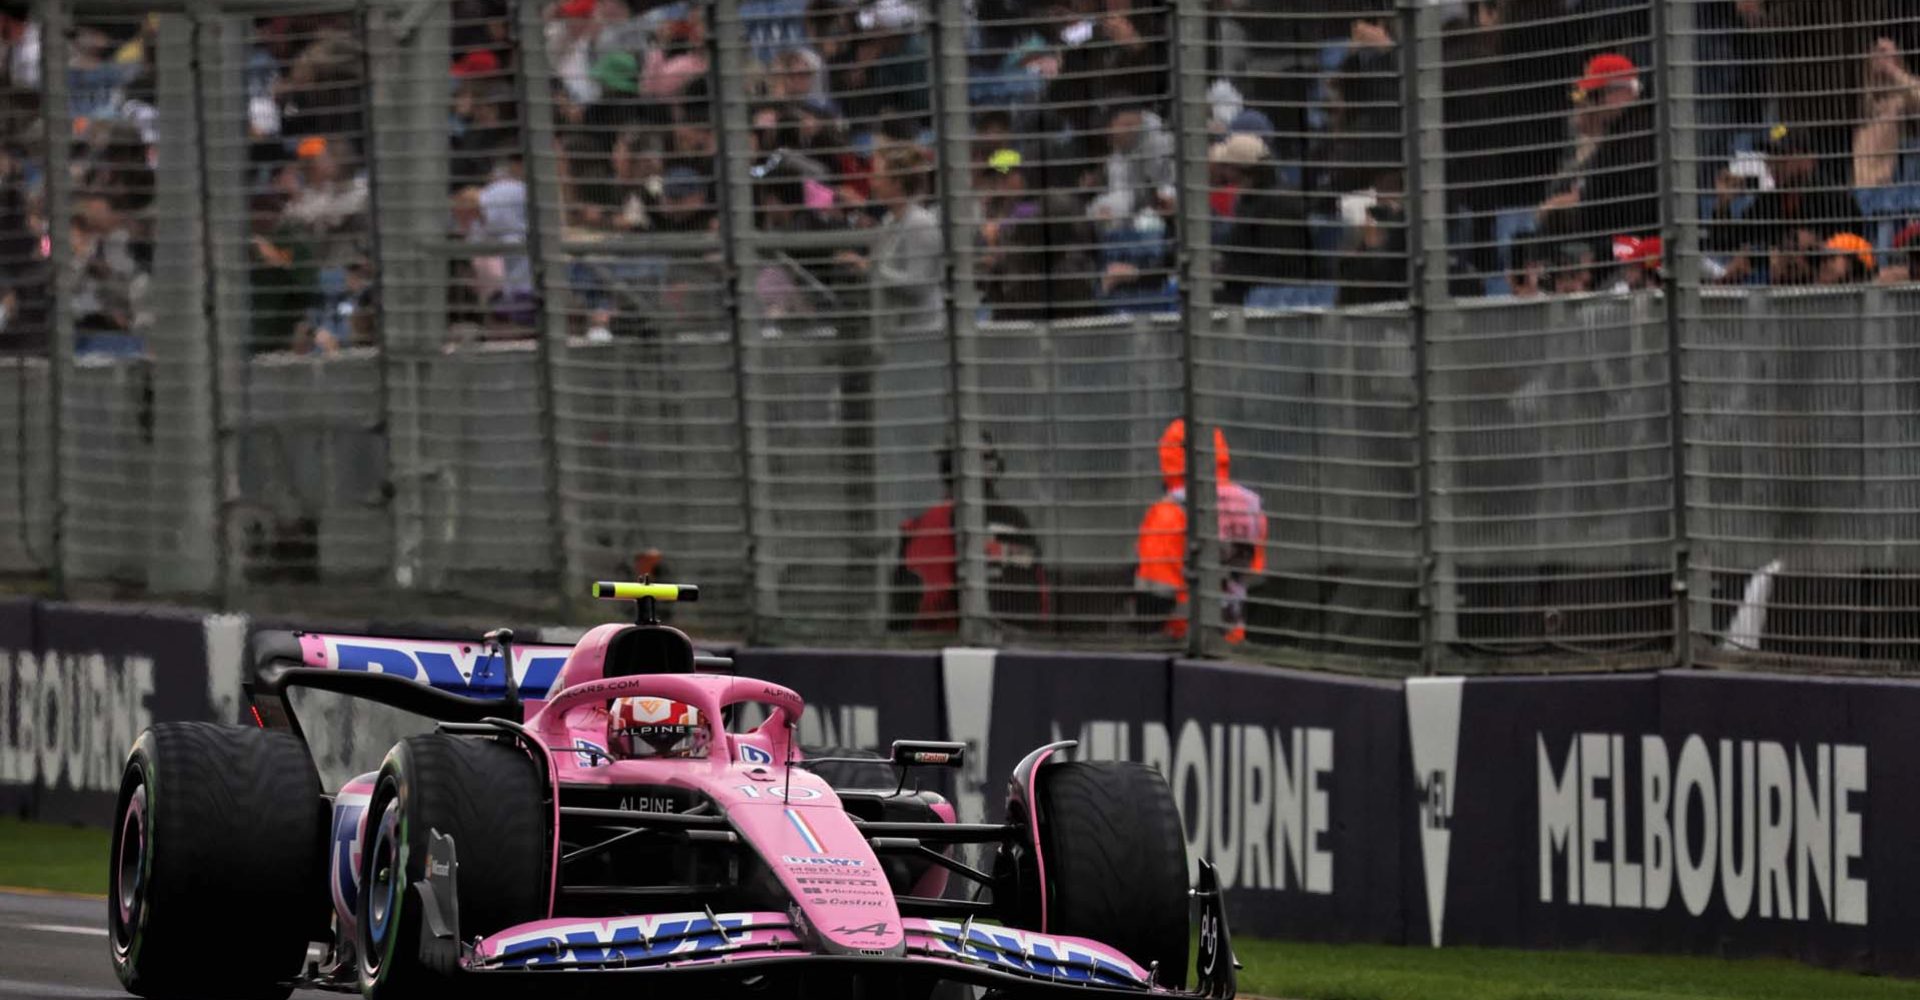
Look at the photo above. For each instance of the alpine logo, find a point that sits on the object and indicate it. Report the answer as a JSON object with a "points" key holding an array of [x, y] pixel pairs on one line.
{"points": [[1433, 724], [750, 754]]}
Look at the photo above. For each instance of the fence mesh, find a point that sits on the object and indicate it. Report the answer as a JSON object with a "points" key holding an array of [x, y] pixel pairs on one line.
{"points": [[1798, 163], [26, 410], [1536, 333]]}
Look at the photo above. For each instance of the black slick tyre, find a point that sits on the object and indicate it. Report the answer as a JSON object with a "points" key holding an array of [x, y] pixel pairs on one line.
{"points": [[486, 796], [218, 865], [1115, 855]]}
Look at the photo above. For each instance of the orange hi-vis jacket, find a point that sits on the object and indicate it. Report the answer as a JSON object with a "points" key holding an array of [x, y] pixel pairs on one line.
{"points": [[1162, 541]]}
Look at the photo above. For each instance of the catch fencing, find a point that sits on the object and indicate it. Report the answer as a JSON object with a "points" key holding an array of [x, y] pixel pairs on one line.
{"points": [[1556, 335]]}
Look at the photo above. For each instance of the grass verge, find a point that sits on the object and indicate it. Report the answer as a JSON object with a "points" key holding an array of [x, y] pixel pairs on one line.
{"points": [[1378, 972], [59, 858], [74, 859]]}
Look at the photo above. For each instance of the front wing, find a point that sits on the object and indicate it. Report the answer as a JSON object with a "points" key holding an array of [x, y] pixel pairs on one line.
{"points": [[717, 947]]}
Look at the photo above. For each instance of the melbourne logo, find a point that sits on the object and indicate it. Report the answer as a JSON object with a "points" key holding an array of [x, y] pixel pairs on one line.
{"points": [[1433, 724], [1774, 830]]}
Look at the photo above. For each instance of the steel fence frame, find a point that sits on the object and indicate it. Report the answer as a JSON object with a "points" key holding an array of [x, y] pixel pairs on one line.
{"points": [[1453, 483]]}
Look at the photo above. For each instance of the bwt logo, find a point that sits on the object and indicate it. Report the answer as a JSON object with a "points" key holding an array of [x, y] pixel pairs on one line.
{"points": [[630, 940], [1434, 812], [1033, 954], [461, 668]]}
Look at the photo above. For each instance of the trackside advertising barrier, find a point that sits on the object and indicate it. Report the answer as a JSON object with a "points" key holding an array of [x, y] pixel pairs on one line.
{"points": [[1680, 811], [78, 683]]}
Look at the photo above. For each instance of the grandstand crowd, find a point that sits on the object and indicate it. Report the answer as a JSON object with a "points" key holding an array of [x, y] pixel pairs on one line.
{"points": [[1802, 145]]}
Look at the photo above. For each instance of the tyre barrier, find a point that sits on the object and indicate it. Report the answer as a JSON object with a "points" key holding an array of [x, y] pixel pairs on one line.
{"points": [[1675, 811]]}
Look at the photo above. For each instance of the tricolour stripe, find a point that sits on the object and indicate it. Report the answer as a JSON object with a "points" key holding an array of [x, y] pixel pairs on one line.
{"points": [[806, 832]]}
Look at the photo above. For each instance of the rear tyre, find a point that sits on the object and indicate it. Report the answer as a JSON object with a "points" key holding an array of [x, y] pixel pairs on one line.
{"points": [[1115, 854], [218, 866], [487, 797]]}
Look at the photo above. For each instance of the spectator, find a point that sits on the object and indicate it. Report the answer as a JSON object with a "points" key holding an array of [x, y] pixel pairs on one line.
{"points": [[676, 61], [570, 36], [925, 580], [1161, 578], [1260, 231], [1639, 260], [795, 75], [1881, 145], [1139, 167], [1110, 54], [1609, 178], [1903, 265], [884, 86], [1374, 268], [1366, 110], [109, 288], [1762, 201], [23, 271], [329, 207], [1528, 277], [1006, 196], [908, 257], [1848, 260], [482, 126], [1573, 268], [1046, 269]]}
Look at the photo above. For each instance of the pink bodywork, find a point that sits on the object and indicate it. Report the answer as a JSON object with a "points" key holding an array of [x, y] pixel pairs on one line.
{"points": [[792, 818]]}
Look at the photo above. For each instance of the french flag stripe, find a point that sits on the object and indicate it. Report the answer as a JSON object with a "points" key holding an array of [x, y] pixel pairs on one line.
{"points": [[806, 832]]}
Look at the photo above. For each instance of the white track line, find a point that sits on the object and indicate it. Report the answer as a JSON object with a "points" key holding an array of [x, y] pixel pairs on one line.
{"points": [[64, 929], [50, 991]]}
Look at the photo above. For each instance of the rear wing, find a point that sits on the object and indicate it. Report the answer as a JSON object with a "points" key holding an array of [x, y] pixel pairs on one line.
{"points": [[442, 679]]}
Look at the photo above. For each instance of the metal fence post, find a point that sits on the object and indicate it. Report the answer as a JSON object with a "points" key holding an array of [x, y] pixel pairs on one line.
{"points": [[1190, 111], [953, 126], [59, 196], [740, 250], [1424, 88], [60, 254], [1673, 38], [545, 236], [212, 110]]}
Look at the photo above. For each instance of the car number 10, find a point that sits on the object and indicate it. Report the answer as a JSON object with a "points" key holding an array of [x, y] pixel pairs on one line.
{"points": [[780, 792]]}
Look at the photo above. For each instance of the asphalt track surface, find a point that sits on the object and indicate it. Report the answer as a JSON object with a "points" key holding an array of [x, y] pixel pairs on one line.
{"points": [[55, 948]]}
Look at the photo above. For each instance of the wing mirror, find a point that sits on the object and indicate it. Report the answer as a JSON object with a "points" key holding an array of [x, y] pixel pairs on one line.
{"points": [[928, 753]]}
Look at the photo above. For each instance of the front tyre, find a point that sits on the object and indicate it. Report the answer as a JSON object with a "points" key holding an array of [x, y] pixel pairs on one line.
{"points": [[1116, 861], [484, 795], [218, 864]]}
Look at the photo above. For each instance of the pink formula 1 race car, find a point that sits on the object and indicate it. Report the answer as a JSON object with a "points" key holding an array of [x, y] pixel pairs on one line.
{"points": [[598, 818]]}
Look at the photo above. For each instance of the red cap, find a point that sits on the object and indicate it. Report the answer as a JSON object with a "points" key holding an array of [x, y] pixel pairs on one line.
{"points": [[575, 10], [479, 62], [1608, 68], [1637, 250]]}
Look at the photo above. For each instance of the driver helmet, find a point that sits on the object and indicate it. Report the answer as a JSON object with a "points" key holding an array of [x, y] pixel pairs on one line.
{"points": [[642, 728]]}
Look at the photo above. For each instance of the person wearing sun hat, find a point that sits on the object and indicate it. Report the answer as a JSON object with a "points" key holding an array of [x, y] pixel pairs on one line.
{"points": [[1848, 260]]}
